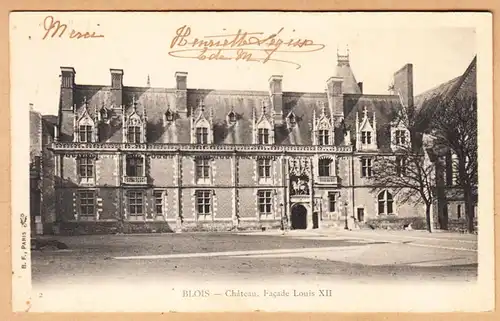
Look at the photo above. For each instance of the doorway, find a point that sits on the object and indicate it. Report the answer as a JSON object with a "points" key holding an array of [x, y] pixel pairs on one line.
{"points": [[299, 217], [361, 214]]}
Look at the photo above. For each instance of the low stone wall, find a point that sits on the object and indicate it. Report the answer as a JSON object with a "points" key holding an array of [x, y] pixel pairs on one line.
{"points": [[114, 227]]}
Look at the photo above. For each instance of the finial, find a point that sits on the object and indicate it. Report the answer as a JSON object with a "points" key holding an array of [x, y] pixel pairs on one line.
{"points": [[134, 103], [201, 105], [149, 82], [323, 108], [263, 106], [365, 112]]}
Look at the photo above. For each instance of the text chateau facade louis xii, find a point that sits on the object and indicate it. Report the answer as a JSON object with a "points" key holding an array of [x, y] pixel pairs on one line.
{"points": [[143, 158]]}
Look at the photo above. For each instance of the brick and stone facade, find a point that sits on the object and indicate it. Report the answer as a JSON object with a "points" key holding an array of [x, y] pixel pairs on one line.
{"points": [[143, 159]]}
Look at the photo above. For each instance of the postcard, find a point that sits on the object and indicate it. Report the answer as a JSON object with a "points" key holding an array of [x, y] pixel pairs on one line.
{"points": [[252, 161]]}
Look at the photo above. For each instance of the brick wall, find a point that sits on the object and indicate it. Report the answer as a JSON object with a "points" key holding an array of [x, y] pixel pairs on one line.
{"points": [[161, 171], [246, 172], [69, 171], [106, 170], [222, 170]]}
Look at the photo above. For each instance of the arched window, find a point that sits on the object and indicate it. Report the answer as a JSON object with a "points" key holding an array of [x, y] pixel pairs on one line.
{"points": [[385, 203]]}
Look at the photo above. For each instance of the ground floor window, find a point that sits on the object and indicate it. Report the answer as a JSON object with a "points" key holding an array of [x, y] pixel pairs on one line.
{"points": [[159, 197], [265, 202], [87, 203], [385, 203], [203, 203], [332, 202], [135, 203]]}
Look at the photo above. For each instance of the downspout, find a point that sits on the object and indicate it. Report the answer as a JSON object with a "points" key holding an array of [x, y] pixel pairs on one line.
{"points": [[352, 180]]}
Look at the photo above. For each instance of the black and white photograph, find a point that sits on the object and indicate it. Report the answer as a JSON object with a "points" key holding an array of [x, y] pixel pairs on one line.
{"points": [[252, 161]]}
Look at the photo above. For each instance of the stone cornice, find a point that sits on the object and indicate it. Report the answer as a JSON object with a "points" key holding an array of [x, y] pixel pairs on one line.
{"points": [[69, 147]]}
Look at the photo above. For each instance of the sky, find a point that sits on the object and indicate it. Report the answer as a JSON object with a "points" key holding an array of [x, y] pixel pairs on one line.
{"points": [[440, 47]]}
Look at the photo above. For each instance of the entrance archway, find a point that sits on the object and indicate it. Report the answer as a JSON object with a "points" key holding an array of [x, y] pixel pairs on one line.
{"points": [[299, 217]]}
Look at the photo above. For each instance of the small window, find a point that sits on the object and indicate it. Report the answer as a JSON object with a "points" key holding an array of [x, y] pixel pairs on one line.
{"points": [[459, 211], [400, 166], [158, 196], [324, 137], [263, 136], [366, 137], [135, 166], [264, 168], [332, 202], [400, 137], [265, 202], [169, 115], [87, 203], [231, 117], [135, 203], [134, 134], [201, 135], [203, 203], [202, 168], [324, 166], [366, 167], [86, 167], [85, 133]]}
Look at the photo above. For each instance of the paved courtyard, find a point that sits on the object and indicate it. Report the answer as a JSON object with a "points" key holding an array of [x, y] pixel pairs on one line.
{"points": [[114, 271], [356, 255]]}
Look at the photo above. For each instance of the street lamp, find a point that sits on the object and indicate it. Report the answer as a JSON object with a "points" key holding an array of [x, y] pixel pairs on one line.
{"points": [[346, 227]]}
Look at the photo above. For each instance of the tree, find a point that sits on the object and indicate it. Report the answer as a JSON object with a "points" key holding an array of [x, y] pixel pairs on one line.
{"points": [[407, 170], [454, 124], [409, 174]]}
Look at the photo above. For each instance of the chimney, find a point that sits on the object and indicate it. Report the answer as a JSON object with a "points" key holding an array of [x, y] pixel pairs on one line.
{"points": [[67, 87], [276, 95], [403, 84], [335, 96], [116, 87], [181, 91], [360, 85]]}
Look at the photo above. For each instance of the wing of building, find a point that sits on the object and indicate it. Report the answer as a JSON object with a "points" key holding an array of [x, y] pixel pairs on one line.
{"points": [[132, 159]]}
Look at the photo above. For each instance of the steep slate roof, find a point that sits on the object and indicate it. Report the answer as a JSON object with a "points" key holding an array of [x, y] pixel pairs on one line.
{"points": [[155, 101], [463, 84]]}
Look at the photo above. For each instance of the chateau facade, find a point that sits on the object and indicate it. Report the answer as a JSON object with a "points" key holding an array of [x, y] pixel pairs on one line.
{"points": [[172, 159]]}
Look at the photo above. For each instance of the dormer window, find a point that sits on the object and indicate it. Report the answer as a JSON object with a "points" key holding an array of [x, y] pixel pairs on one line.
{"points": [[366, 137], [400, 137], [104, 114], [291, 120], [263, 127], [134, 130], [134, 134], [85, 133], [169, 116], [84, 125], [263, 136], [201, 135], [231, 117], [323, 137]]}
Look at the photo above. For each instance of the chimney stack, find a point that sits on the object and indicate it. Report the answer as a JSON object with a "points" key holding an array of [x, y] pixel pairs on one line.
{"points": [[116, 87], [181, 91], [276, 95], [360, 85], [403, 84]]}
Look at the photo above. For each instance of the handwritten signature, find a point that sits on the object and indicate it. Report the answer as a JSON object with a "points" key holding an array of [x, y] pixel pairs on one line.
{"points": [[58, 29], [241, 46]]}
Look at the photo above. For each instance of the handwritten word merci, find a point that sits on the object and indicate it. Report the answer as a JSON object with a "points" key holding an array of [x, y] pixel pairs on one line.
{"points": [[58, 29], [240, 46]]}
